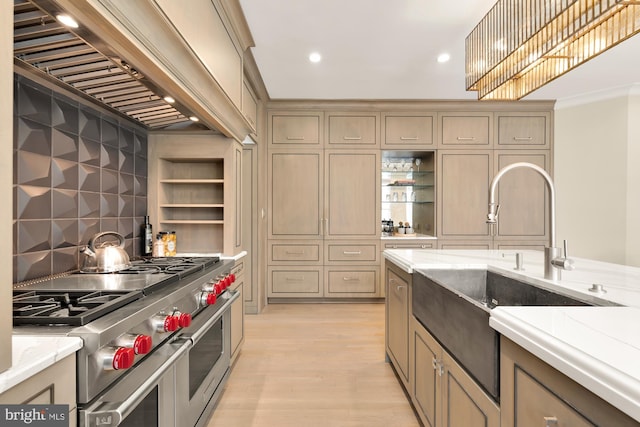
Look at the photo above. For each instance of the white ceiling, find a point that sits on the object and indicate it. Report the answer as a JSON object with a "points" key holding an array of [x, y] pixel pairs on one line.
{"points": [[387, 49]]}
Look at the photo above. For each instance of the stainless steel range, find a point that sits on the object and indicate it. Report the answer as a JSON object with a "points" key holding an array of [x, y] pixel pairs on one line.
{"points": [[156, 337]]}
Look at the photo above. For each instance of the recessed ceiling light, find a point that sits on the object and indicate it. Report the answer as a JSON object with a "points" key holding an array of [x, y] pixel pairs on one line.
{"points": [[315, 57], [444, 57], [169, 99], [66, 20], [194, 119]]}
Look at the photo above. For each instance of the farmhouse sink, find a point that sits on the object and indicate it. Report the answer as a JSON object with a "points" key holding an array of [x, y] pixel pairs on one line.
{"points": [[455, 304]]}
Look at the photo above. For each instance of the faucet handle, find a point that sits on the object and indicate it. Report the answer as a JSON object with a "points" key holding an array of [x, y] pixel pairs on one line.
{"points": [[563, 262], [492, 216]]}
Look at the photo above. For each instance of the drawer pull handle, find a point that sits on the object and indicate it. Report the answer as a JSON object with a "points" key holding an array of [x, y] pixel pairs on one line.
{"points": [[437, 366], [295, 252], [352, 252], [466, 138], [295, 279], [352, 138], [522, 138], [550, 421], [295, 138], [350, 279], [408, 138]]}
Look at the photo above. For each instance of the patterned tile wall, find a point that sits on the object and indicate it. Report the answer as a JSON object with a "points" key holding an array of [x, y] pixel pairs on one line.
{"points": [[77, 172]]}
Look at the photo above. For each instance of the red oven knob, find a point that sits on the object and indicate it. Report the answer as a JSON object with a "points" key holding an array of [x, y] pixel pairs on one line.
{"points": [[208, 298], [218, 288], [184, 319], [227, 281], [232, 277], [119, 358], [142, 344], [164, 323]]}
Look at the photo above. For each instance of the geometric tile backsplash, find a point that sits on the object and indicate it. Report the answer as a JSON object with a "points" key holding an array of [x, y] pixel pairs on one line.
{"points": [[77, 172]]}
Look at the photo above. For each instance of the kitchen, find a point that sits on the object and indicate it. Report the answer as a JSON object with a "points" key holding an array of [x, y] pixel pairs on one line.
{"points": [[610, 244]]}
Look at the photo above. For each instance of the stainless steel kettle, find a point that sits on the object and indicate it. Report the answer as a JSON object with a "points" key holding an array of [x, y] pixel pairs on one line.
{"points": [[107, 257]]}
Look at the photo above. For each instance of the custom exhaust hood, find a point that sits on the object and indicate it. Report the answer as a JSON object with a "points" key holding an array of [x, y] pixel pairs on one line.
{"points": [[78, 60]]}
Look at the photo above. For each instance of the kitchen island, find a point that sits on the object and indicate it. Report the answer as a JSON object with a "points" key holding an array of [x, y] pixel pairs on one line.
{"points": [[597, 347]]}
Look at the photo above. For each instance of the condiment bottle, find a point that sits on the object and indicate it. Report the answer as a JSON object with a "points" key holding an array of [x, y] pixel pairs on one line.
{"points": [[158, 246], [147, 237]]}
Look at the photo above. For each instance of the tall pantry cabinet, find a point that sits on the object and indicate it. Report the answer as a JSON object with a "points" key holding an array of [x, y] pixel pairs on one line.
{"points": [[323, 215]]}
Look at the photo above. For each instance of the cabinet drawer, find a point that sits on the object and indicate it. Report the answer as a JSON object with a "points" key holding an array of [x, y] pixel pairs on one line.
{"points": [[286, 252], [357, 253], [353, 130], [292, 282], [523, 131], [464, 131], [361, 282], [408, 130], [295, 129]]}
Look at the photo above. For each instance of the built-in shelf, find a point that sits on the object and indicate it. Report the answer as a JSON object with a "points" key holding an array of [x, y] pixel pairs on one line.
{"points": [[191, 221], [192, 181], [192, 205]]}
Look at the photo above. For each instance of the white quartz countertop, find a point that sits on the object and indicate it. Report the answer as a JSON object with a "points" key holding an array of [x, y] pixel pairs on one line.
{"points": [[32, 354], [598, 347]]}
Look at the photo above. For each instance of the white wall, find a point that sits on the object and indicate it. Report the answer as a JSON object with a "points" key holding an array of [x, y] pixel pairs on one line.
{"points": [[596, 156]]}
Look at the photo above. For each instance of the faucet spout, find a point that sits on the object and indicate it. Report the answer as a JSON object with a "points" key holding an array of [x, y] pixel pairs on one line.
{"points": [[552, 253]]}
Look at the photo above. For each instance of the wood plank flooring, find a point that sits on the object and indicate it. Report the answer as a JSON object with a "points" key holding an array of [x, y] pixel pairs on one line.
{"points": [[314, 365]]}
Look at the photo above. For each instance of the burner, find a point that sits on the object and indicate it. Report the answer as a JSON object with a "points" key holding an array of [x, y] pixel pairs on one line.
{"points": [[66, 308], [142, 269]]}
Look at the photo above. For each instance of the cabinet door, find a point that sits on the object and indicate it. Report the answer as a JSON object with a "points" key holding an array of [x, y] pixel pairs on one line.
{"points": [[398, 321], [295, 128], [296, 194], [426, 378], [237, 318], [353, 282], [352, 195], [411, 130], [465, 130], [353, 129], [523, 197], [463, 401], [463, 193], [523, 130]]}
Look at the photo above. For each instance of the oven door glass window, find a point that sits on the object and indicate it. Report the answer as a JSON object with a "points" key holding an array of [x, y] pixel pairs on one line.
{"points": [[145, 414], [204, 355]]}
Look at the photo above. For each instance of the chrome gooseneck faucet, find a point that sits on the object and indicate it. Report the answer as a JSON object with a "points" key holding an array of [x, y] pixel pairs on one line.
{"points": [[553, 261]]}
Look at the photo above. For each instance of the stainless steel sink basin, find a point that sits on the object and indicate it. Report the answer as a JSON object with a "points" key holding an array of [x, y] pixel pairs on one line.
{"points": [[454, 305]]}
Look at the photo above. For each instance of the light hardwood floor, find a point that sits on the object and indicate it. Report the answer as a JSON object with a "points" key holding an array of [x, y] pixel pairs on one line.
{"points": [[314, 365]]}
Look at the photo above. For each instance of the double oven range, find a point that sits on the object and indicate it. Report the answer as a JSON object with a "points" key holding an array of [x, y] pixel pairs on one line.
{"points": [[156, 337]]}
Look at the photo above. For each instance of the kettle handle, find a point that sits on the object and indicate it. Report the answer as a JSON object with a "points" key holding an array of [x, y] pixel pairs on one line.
{"points": [[105, 233]]}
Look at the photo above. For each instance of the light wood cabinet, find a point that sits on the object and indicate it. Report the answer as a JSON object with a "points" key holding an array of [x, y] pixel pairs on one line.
{"points": [[292, 281], [55, 385], [443, 393], [195, 190], [534, 393], [523, 130], [465, 130], [408, 130], [398, 313], [249, 105], [463, 193], [296, 128], [464, 179], [523, 197], [237, 311], [352, 129], [352, 196], [296, 196]]}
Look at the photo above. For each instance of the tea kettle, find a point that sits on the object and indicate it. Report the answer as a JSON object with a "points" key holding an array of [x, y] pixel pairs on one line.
{"points": [[107, 257]]}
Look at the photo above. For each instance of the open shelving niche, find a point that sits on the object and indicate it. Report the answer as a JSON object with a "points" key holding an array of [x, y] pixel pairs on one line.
{"points": [[191, 202], [408, 190]]}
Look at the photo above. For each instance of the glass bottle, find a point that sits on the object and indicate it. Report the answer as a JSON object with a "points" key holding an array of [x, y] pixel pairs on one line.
{"points": [[147, 237]]}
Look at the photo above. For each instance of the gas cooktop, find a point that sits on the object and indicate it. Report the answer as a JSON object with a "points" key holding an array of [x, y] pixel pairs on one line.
{"points": [[79, 298]]}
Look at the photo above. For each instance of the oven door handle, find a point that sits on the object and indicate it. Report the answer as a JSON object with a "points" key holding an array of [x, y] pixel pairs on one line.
{"points": [[200, 330], [113, 413]]}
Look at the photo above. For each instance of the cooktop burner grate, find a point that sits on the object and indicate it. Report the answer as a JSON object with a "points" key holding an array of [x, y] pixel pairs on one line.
{"points": [[66, 308]]}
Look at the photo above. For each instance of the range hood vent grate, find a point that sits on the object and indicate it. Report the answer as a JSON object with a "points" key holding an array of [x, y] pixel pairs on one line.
{"points": [[42, 44]]}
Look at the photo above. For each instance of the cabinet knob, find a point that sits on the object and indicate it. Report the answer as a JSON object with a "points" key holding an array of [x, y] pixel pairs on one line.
{"points": [[550, 422]]}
